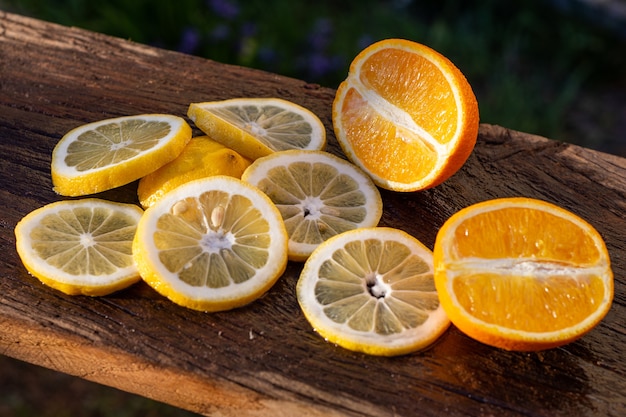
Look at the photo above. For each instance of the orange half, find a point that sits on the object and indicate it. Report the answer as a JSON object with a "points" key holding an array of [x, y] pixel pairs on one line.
{"points": [[405, 115], [522, 274]]}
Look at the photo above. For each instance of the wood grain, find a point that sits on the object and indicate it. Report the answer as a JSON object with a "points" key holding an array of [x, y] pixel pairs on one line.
{"points": [[264, 359]]}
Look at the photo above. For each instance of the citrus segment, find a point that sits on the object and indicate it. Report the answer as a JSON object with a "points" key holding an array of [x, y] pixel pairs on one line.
{"points": [[256, 127], [372, 290], [318, 195], [202, 157], [110, 153], [522, 274], [406, 115], [211, 244], [80, 246]]}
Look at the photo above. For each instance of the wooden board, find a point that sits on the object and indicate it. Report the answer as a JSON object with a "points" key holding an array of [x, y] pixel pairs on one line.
{"points": [[264, 359]]}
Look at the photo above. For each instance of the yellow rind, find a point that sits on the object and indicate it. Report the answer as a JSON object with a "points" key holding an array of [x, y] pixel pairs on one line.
{"points": [[202, 157]]}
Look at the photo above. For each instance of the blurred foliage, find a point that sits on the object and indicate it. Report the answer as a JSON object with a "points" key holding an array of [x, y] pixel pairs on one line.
{"points": [[28, 390], [526, 61]]}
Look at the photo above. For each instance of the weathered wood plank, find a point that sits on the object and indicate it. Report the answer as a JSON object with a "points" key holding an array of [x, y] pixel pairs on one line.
{"points": [[264, 359]]}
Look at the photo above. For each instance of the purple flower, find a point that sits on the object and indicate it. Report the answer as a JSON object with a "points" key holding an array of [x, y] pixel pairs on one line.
{"points": [[225, 9], [248, 30], [317, 65], [189, 40], [321, 35]]}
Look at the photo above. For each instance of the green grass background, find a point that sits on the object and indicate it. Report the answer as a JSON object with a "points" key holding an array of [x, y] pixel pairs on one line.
{"points": [[529, 63]]}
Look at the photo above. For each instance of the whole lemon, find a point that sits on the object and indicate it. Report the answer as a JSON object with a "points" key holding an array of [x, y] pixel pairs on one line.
{"points": [[202, 157]]}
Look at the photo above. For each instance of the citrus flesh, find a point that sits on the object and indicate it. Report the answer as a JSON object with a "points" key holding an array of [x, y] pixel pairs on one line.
{"points": [[372, 290], [202, 157], [406, 115], [110, 153], [256, 127], [80, 246], [211, 244], [318, 195], [522, 274]]}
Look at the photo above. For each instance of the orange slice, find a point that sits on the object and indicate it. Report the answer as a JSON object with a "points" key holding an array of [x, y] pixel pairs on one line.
{"points": [[406, 115], [522, 274]]}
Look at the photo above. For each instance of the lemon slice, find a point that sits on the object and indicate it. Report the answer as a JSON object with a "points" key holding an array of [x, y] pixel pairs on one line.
{"points": [[211, 244], [80, 246], [372, 290], [110, 153], [256, 127], [202, 157], [318, 195]]}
